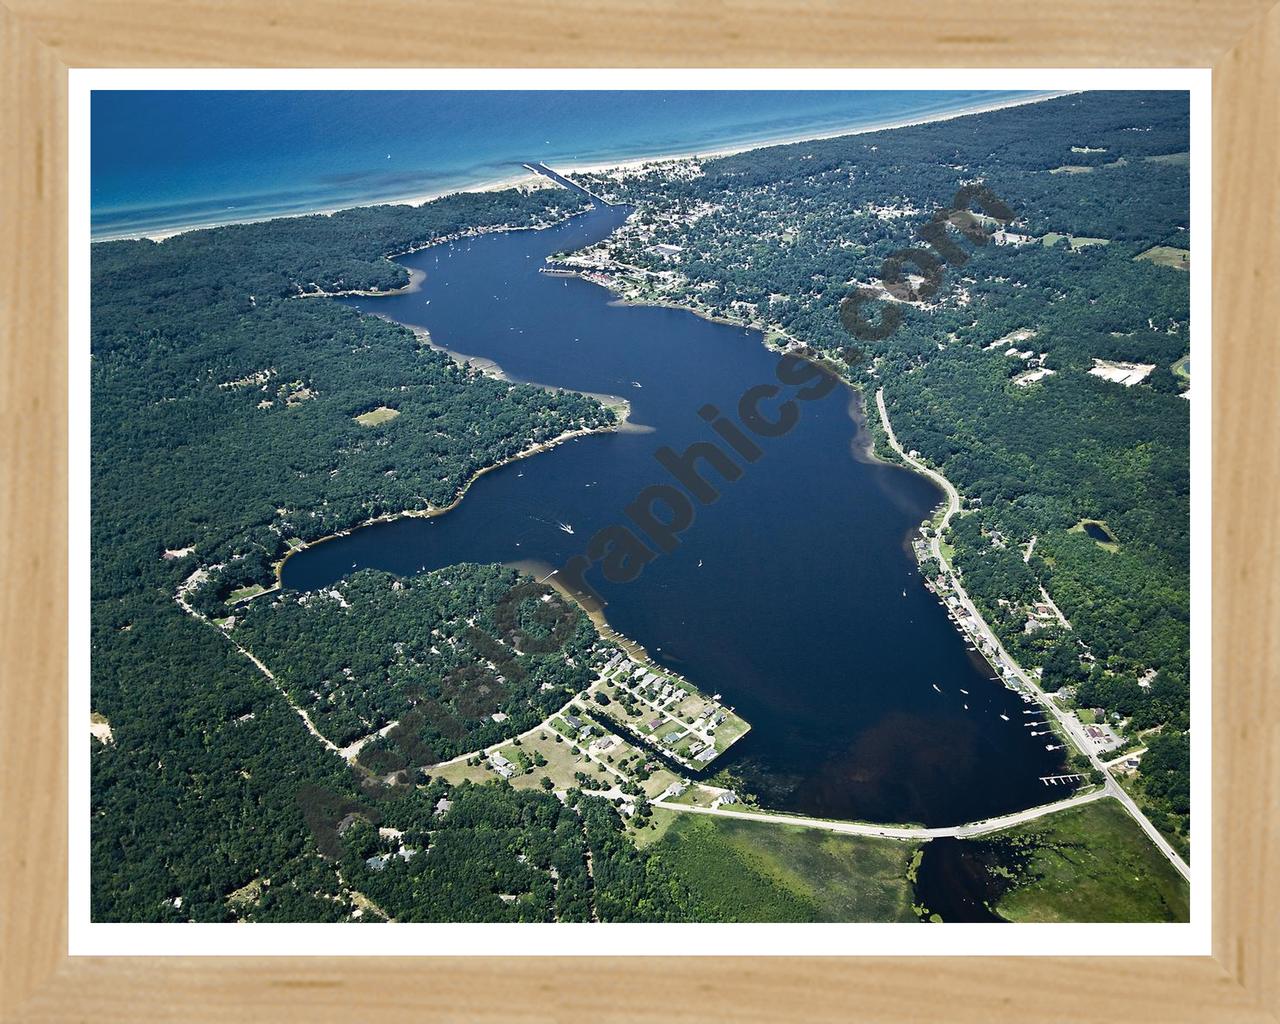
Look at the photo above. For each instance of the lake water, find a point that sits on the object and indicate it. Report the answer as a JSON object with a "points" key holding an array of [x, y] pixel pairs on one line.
{"points": [[795, 596], [960, 880], [1098, 533]]}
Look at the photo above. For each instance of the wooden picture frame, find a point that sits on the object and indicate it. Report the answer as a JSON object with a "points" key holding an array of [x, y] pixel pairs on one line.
{"points": [[41, 39]]}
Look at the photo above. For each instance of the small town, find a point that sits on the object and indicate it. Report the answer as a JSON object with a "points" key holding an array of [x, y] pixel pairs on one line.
{"points": [[637, 734]]}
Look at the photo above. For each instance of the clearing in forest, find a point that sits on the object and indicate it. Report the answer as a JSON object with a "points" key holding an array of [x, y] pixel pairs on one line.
{"points": [[1167, 256], [382, 414]]}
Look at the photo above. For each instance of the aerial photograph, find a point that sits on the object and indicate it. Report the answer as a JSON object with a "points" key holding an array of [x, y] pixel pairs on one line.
{"points": [[640, 506]]}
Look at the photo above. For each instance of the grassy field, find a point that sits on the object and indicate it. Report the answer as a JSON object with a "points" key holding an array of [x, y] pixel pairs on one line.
{"points": [[749, 871], [1182, 368], [1167, 256], [1072, 169], [1075, 241], [373, 417], [1180, 159], [1135, 786], [460, 772], [1093, 863]]}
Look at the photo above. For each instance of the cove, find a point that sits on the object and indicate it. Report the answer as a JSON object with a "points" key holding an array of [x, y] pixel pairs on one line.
{"points": [[794, 596]]}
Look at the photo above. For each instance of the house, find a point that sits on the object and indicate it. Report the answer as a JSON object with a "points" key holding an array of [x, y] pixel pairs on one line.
{"points": [[655, 723], [501, 765], [573, 722], [443, 805], [377, 862], [666, 251]]}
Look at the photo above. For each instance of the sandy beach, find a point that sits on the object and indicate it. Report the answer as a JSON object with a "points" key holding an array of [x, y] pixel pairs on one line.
{"points": [[526, 178], [834, 133]]}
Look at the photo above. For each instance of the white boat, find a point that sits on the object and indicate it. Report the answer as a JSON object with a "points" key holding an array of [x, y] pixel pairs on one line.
{"points": [[935, 686], [566, 527], [965, 692], [1005, 717]]}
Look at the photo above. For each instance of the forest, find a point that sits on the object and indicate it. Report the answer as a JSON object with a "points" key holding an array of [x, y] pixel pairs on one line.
{"points": [[987, 373], [226, 390], [222, 428], [439, 655]]}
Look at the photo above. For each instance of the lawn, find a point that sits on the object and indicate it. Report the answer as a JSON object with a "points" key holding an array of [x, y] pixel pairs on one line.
{"points": [[1075, 241], [758, 871], [1094, 863], [730, 731], [562, 764], [1167, 256]]}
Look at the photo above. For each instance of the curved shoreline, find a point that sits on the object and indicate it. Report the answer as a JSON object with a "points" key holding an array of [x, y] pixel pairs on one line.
{"points": [[431, 511], [590, 166], [858, 406], [1066, 722]]}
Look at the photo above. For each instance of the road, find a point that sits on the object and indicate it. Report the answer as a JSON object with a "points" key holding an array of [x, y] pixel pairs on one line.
{"points": [[857, 828], [1070, 724]]}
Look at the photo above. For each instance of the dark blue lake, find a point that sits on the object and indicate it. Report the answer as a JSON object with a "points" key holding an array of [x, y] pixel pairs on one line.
{"points": [[794, 596]]}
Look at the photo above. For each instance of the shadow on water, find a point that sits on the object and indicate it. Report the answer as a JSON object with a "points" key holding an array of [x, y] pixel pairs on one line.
{"points": [[793, 595]]}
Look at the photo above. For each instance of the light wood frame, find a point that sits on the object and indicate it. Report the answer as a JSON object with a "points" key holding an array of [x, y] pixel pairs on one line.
{"points": [[41, 39]]}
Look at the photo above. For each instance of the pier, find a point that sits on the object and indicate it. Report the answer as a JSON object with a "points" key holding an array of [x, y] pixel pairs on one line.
{"points": [[564, 182], [1063, 780]]}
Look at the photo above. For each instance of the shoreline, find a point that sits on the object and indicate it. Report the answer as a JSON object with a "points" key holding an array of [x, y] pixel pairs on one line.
{"points": [[622, 412], [160, 233], [733, 149]]}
